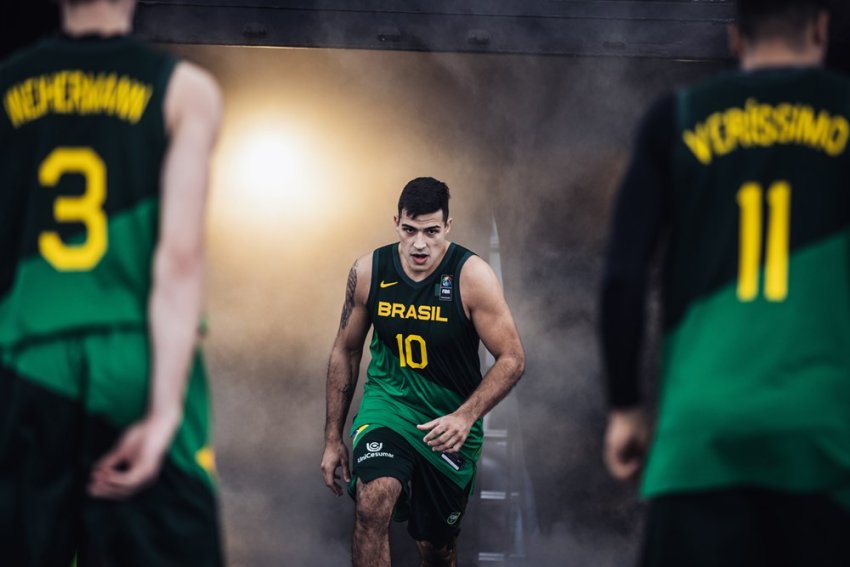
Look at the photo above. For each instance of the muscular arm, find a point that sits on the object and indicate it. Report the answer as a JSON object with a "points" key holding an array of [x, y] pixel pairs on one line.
{"points": [[489, 312], [344, 364], [192, 111], [343, 369]]}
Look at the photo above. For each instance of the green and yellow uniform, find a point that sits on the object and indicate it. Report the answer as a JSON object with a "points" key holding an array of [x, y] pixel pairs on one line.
{"points": [[746, 179], [755, 387], [82, 139], [424, 365]]}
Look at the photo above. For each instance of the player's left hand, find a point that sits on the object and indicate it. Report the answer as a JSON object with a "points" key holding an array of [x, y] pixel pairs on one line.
{"points": [[447, 433], [133, 463]]}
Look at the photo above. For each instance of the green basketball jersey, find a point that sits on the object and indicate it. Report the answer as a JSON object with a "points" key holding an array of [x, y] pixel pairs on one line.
{"points": [[425, 360], [756, 356], [82, 139]]}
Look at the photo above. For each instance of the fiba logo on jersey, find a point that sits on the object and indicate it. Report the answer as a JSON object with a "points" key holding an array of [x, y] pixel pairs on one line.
{"points": [[374, 447], [445, 292]]}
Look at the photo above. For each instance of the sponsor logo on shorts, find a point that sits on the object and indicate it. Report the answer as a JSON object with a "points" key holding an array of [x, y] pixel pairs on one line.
{"points": [[373, 454], [374, 449], [453, 518]]}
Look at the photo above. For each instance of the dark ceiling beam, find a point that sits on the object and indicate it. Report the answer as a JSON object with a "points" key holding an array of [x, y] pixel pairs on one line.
{"points": [[685, 29]]}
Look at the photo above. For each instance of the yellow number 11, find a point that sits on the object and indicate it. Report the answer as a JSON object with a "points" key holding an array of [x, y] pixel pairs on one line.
{"points": [[776, 264]]}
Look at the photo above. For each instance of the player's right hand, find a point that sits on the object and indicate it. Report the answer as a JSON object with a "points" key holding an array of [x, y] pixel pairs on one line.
{"points": [[335, 457], [626, 442], [135, 460]]}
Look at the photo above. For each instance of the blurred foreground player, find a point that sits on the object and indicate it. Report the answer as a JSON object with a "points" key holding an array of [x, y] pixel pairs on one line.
{"points": [[417, 435], [104, 149], [746, 178]]}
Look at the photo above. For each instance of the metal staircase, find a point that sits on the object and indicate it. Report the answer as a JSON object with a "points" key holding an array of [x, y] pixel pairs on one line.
{"points": [[505, 501]]}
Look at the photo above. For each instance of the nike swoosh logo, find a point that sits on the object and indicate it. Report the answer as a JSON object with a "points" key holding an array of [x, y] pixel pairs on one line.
{"points": [[384, 284]]}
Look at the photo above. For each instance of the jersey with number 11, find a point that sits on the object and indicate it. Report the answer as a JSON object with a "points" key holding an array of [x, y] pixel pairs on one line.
{"points": [[756, 369], [82, 139]]}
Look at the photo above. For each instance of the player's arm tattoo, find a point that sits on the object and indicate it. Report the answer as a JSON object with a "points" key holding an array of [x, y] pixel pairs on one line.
{"points": [[348, 306], [342, 382], [344, 364], [340, 394]]}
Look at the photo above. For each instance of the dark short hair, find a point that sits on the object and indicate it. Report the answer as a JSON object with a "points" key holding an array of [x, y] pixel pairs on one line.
{"points": [[424, 195], [771, 18]]}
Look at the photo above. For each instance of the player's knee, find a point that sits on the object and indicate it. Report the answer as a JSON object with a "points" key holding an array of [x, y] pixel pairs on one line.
{"points": [[375, 503], [371, 517]]}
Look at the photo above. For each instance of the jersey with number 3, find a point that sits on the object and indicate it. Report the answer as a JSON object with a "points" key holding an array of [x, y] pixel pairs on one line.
{"points": [[756, 358], [82, 140], [424, 349]]}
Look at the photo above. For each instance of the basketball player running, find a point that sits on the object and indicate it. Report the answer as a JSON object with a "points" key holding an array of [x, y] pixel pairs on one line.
{"points": [[104, 426], [746, 177], [418, 433]]}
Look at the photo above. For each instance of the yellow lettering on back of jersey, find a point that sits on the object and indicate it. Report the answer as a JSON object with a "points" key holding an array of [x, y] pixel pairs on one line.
{"points": [[764, 125], [77, 92]]}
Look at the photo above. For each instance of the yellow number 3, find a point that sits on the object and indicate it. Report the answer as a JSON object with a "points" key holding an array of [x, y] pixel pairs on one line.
{"points": [[86, 209]]}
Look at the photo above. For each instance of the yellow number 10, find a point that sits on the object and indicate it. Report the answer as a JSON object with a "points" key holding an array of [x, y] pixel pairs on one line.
{"points": [[776, 265], [86, 209], [405, 351]]}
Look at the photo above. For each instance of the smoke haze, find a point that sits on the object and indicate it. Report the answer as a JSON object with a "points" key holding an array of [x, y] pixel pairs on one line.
{"points": [[539, 143]]}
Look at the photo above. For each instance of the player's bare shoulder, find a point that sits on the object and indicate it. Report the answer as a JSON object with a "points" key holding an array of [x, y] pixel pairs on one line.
{"points": [[360, 279], [193, 92], [478, 283], [356, 298]]}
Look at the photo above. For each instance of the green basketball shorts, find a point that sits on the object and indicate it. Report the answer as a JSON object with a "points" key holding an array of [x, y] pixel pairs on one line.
{"points": [[64, 403], [431, 503]]}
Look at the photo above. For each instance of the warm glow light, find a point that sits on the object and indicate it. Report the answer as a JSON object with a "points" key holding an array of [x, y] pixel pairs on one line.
{"points": [[270, 174], [271, 163]]}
